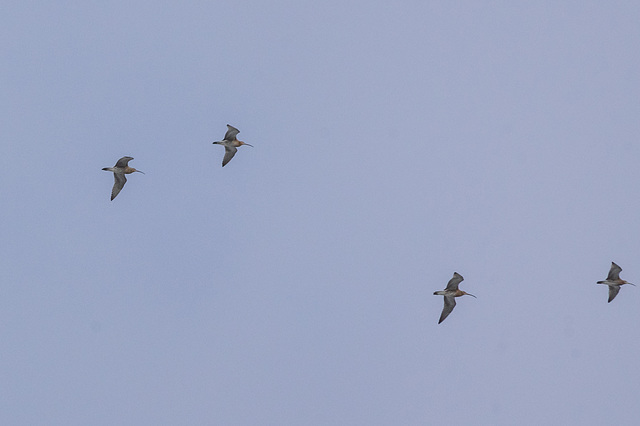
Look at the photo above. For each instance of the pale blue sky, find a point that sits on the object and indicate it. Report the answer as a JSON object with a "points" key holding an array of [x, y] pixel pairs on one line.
{"points": [[394, 143]]}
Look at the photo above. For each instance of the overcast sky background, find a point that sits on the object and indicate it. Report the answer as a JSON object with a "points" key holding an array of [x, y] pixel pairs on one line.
{"points": [[394, 143]]}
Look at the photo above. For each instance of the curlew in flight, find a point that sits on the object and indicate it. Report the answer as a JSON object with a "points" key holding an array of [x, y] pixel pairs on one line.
{"points": [[450, 293], [119, 171]]}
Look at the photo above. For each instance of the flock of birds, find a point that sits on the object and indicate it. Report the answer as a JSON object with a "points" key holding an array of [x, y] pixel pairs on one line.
{"points": [[230, 143], [451, 291]]}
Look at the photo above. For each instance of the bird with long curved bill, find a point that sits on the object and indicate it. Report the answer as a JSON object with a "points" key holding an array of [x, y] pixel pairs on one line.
{"points": [[230, 143], [119, 171], [614, 282], [450, 293]]}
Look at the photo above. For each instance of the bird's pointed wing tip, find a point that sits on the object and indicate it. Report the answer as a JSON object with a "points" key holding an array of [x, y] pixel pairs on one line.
{"points": [[231, 133], [449, 304]]}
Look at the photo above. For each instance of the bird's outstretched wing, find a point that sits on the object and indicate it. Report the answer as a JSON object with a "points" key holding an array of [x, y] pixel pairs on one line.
{"points": [[449, 304], [229, 152], [453, 282], [614, 272], [613, 292], [124, 161], [119, 181], [231, 133]]}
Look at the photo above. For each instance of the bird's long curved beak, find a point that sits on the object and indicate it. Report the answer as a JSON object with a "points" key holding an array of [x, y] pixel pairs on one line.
{"points": [[470, 295], [244, 143], [632, 284], [140, 172]]}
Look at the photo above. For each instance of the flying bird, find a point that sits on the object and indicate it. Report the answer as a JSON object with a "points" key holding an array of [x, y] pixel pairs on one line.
{"points": [[450, 293], [119, 171], [230, 143], [613, 281]]}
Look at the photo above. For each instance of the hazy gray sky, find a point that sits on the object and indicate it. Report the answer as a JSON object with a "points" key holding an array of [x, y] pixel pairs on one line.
{"points": [[394, 143]]}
